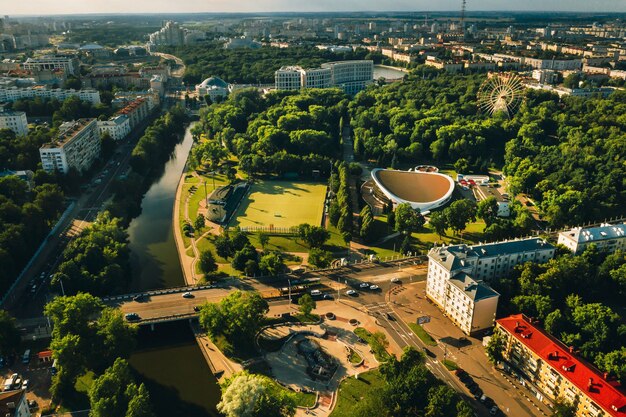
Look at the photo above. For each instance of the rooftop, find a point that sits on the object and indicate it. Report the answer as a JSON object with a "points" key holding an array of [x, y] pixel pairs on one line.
{"points": [[10, 397], [583, 375], [452, 257], [603, 232], [67, 131], [476, 290]]}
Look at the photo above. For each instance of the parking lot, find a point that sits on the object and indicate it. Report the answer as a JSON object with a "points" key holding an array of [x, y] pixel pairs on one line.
{"points": [[35, 374]]}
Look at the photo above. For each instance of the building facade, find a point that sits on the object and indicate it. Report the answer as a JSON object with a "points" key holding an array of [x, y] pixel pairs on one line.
{"points": [[15, 121], [15, 93], [136, 111], [459, 275], [350, 76], [214, 87], [554, 370], [68, 64], [77, 146], [606, 237], [14, 404], [118, 127]]}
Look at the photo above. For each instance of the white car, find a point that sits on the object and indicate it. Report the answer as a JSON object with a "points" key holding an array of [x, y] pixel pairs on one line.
{"points": [[25, 384], [396, 280], [374, 287], [316, 293], [351, 292], [364, 285], [187, 295]]}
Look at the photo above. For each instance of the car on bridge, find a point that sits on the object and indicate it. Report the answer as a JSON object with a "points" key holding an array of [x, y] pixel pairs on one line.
{"points": [[131, 316]]}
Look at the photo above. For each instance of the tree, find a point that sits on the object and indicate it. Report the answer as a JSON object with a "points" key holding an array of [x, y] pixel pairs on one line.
{"points": [[320, 258], [237, 316], [495, 347], [272, 263], [441, 402], [563, 408], [307, 304], [461, 165], [207, 262], [367, 222], [405, 247], [246, 395], [439, 222], [199, 222], [408, 220], [487, 210], [223, 246], [264, 239], [140, 404], [314, 236], [9, 335], [460, 213], [244, 255], [614, 363]]}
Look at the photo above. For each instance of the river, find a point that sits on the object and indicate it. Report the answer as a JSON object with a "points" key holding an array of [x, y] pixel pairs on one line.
{"points": [[168, 359]]}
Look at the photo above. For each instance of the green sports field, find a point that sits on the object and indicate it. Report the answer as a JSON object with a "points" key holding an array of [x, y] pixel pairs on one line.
{"points": [[281, 204]]}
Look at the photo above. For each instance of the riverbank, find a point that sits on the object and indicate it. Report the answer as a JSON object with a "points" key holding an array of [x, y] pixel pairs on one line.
{"points": [[186, 261]]}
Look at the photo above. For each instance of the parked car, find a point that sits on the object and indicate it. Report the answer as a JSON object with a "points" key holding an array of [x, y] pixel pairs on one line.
{"points": [[364, 285], [374, 287], [396, 280], [196, 308], [494, 410], [351, 293], [25, 384], [316, 293]]}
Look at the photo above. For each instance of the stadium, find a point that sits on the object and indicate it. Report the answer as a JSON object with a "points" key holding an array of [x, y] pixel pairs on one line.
{"points": [[422, 190]]}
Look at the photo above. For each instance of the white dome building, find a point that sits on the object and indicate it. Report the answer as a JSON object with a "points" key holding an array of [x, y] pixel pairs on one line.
{"points": [[213, 87]]}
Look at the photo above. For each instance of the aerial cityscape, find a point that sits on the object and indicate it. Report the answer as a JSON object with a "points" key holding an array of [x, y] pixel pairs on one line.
{"points": [[331, 209]]}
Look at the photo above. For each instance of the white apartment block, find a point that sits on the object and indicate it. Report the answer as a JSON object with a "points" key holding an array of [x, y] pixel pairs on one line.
{"points": [[350, 76], [606, 237], [458, 277], [16, 93], [77, 146], [317, 78], [68, 64], [554, 64], [14, 120], [288, 78], [118, 127]]}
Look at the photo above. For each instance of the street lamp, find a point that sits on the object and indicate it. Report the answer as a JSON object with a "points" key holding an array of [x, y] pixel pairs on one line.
{"points": [[289, 291]]}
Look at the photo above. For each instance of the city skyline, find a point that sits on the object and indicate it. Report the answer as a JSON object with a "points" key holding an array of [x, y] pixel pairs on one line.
{"points": [[44, 7]]}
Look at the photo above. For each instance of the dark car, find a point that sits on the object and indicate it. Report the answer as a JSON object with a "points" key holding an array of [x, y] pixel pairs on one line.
{"points": [[429, 352], [196, 308], [131, 316]]}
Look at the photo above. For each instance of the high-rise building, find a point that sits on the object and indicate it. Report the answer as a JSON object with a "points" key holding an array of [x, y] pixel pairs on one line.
{"points": [[77, 146], [171, 34], [16, 93]]}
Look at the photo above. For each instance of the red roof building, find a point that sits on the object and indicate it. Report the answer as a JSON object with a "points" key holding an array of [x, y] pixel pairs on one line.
{"points": [[557, 371]]}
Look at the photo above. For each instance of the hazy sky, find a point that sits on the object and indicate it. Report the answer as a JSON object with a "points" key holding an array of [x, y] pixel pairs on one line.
{"points": [[181, 6]]}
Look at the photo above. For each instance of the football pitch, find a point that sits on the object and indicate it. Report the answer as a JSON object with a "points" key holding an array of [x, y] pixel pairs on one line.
{"points": [[281, 204]]}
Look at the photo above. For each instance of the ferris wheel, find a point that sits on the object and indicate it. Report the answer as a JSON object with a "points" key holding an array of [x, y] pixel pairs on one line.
{"points": [[500, 93]]}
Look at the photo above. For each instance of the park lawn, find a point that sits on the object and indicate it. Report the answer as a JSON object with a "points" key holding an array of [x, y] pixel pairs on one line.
{"points": [[283, 243], [281, 204], [201, 193], [450, 365], [422, 334], [352, 390], [84, 382], [303, 399]]}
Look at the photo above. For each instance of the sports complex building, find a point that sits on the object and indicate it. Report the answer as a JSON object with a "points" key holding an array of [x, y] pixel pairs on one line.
{"points": [[422, 190]]}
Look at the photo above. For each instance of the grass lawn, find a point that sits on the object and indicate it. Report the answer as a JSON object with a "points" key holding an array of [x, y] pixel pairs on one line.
{"points": [[303, 399], [450, 365], [281, 204], [355, 358], [422, 334], [84, 383], [351, 391], [377, 342]]}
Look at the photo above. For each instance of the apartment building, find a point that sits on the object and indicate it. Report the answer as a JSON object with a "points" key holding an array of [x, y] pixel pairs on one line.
{"points": [[350, 76], [136, 111], [16, 93], [459, 275], [552, 370], [606, 237], [77, 146], [68, 64], [15, 121], [14, 404], [118, 127]]}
